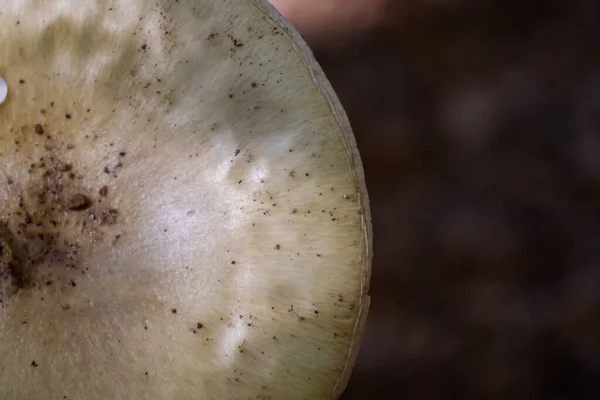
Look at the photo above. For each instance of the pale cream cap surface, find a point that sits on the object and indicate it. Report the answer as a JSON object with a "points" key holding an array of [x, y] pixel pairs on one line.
{"points": [[184, 204]]}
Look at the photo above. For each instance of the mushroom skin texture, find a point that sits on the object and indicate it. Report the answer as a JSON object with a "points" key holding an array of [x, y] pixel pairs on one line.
{"points": [[3, 90], [183, 203]]}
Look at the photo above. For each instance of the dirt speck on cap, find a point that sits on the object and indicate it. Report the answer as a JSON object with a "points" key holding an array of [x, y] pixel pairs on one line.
{"points": [[109, 217], [79, 202]]}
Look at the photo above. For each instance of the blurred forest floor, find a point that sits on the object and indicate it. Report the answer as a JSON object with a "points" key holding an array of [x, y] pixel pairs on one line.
{"points": [[478, 122]]}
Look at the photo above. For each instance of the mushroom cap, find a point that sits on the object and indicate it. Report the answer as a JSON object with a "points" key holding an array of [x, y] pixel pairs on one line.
{"points": [[184, 213]]}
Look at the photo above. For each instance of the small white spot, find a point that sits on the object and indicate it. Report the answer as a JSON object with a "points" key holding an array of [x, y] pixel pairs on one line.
{"points": [[3, 90]]}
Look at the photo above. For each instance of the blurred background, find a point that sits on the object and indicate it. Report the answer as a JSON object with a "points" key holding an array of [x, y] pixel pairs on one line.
{"points": [[478, 123]]}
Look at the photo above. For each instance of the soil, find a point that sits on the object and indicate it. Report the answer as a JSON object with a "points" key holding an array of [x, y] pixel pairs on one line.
{"points": [[48, 226]]}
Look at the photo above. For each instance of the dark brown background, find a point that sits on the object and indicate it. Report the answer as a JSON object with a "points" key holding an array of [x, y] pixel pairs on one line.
{"points": [[479, 127]]}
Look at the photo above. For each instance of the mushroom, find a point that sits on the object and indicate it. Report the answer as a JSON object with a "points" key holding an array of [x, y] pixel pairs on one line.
{"points": [[184, 203]]}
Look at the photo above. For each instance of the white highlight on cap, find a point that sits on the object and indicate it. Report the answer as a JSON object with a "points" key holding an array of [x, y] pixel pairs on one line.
{"points": [[3, 90]]}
